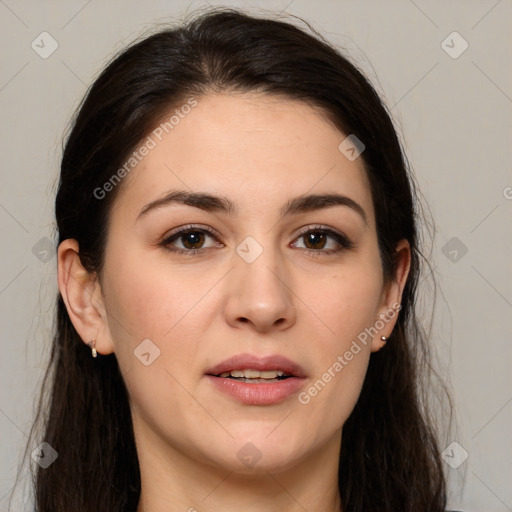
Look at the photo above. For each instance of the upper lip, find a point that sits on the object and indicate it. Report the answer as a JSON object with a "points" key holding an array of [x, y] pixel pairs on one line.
{"points": [[261, 363]]}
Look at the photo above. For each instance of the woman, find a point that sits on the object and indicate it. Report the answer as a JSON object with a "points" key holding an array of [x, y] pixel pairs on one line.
{"points": [[238, 261]]}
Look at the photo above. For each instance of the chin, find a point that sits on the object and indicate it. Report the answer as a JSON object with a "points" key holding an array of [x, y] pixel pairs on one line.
{"points": [[261, 453]]}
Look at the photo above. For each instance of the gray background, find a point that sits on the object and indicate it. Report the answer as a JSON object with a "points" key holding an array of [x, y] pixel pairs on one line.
{"points": [[455, 116]]}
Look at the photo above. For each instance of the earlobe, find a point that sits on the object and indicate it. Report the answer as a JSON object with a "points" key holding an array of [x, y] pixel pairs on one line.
{"points": [[81, 293], [392, 298]]}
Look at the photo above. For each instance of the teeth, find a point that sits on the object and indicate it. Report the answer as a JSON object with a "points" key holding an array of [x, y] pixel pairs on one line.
{"points": [[254, 374]]}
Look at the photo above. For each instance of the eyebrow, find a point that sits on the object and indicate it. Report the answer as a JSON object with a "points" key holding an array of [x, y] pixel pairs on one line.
{"points": [[211, 203]]}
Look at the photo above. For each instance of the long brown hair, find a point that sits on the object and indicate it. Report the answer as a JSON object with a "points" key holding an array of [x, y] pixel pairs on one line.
{"points": [[390, 460]]}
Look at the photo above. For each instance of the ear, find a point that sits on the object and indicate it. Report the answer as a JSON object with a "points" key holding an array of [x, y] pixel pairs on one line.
{"points": [[81, 292], [392, 296]]}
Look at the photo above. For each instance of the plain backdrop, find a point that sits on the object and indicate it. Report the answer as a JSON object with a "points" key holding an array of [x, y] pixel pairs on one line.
{"points": [[443, 70]]}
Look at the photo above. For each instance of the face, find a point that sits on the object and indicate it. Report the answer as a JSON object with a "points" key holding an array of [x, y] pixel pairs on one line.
{"points": [[186, 287]]}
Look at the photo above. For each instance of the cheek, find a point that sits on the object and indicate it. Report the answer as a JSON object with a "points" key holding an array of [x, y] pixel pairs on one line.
{"points": [[149, 299], [145, 302], [345, 303], [144, 305], [147, 294], [345, 308]]}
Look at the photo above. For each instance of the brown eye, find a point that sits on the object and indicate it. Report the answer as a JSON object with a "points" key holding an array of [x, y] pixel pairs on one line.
{"points": [[317, 239], [188, 240], [314, 240], [192, 239]]}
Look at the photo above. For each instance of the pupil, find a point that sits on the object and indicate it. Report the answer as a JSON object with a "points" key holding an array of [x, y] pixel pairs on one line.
{"points": [[194, 237], [311, 238]]}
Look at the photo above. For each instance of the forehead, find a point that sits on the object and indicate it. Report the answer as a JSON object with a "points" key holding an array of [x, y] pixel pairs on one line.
{"points": [[257, 149]]}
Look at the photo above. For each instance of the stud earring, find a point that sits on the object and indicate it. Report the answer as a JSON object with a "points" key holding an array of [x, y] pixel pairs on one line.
{"points": [[384, 339], [93, 348]]}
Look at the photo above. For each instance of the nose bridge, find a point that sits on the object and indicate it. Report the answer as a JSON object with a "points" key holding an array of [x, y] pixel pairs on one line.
{"points": [[260, 262]]}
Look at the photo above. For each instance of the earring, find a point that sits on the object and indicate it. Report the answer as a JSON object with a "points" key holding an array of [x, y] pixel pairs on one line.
{"points": [[93, 349], [384, 339]]}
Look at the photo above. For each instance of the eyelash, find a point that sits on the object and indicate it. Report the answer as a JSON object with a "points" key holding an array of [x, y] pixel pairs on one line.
{"points": [[342, 240]]}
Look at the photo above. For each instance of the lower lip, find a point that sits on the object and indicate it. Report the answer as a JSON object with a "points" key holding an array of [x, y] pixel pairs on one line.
{"points": [[258, 393]]}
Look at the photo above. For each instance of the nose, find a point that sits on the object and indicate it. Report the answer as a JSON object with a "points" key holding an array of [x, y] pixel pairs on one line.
{"points": [[260, 293]]}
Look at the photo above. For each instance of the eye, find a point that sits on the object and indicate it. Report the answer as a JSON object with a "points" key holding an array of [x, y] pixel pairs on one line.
{"points": [[191, 238], [316, 239]]}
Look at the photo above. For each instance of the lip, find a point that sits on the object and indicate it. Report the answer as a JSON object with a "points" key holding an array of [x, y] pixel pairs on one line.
{"points": [[260, 363], [258, 393]]}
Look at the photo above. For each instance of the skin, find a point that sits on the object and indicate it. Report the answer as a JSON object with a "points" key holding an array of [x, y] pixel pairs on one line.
{"points": [[294, 300]]}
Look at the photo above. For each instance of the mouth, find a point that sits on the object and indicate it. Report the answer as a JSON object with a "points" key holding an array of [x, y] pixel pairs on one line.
{"points": [[253, 367], [256, 380], [252, 376]]}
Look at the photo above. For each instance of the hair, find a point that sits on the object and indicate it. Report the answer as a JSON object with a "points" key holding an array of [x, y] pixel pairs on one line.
{"points": [[389, 457]]}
